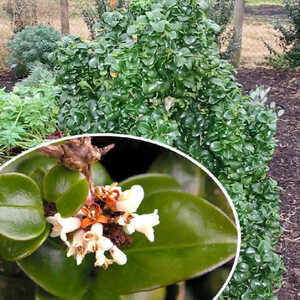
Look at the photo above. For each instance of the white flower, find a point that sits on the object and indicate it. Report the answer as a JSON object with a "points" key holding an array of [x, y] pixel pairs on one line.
{"points": [[78, 246], [125, 221], [118, 256], [130, 200], [102, 260], [62, 226], [95, 239], [143, 224]]}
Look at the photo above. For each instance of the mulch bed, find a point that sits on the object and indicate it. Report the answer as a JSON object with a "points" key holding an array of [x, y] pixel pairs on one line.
{"points": [[266, 11], [285, 165], [7, 81]]}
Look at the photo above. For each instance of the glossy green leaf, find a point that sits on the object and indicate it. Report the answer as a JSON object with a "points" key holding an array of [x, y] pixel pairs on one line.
{"points": [[40, 294], [69, 189], [12, 250], [21, 209], [54, 272], [57, 182], [74, 198], [35, 160], [192, 179], [193, 237], [152, 182], [100, 175]]}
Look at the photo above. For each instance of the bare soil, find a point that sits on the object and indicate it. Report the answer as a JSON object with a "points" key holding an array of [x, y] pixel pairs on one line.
{"points": [[285, 165]]}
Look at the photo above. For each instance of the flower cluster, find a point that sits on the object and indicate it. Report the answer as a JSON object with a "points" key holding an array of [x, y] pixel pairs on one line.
{"points": [[102, 225]]}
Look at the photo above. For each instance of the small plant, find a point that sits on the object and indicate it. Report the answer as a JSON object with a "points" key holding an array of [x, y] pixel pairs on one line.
{"points": [[32, 45], [289, 38], [27, 115]]}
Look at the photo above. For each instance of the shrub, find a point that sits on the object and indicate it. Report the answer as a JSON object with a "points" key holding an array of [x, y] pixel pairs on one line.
{"points": [[31, 45], [221, 12], [154, 71], [92, 12], [289, 38], [27, 115]]}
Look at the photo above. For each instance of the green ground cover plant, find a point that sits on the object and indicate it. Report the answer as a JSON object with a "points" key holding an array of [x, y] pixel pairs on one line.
{"points": [[27, 115], [155, 71]]}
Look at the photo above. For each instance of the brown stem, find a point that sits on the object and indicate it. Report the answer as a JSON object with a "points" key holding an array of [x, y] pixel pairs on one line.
{"points": [[78, 155]]}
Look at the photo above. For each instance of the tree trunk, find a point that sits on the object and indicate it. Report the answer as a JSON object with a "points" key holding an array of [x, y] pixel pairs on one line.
{"points": [[64, 17], [24, 14], [238, 32]]}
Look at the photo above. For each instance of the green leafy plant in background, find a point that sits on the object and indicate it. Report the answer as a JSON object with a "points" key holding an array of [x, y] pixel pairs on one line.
{"points": [[27, 115], [288, 38], [92, 12], [38, 179], [33, 44], [155, 71], [221, 12]]}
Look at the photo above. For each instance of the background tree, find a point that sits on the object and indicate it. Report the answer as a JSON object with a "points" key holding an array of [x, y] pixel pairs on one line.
{"points": [[24, 14], [238, 32], [64, 17]]}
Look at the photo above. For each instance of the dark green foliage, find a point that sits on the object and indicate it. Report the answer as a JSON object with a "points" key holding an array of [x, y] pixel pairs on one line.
{"points": [[31, 45], [221, 12], [92, 13], [289, 38], [155, 72]]}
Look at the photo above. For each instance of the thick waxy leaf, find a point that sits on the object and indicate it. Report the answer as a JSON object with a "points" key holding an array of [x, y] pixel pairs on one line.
{"points": [[193, 237], [40, 294], [69, 189], [21, 209], [152, 182], [14, 250], [100, 175], [192, 179], [33, 164], [33, 161], [54, 272], [71, 201]]}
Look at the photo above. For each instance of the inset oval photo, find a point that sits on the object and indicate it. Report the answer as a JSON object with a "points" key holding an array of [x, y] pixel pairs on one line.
{"points": [[115, 217]]}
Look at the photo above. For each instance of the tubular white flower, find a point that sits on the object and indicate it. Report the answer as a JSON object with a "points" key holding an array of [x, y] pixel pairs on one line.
{"points": [[118, 256], [95, 240], [130, 200], [62, 226], [78, 247], [102, 260], [144, 224]]}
